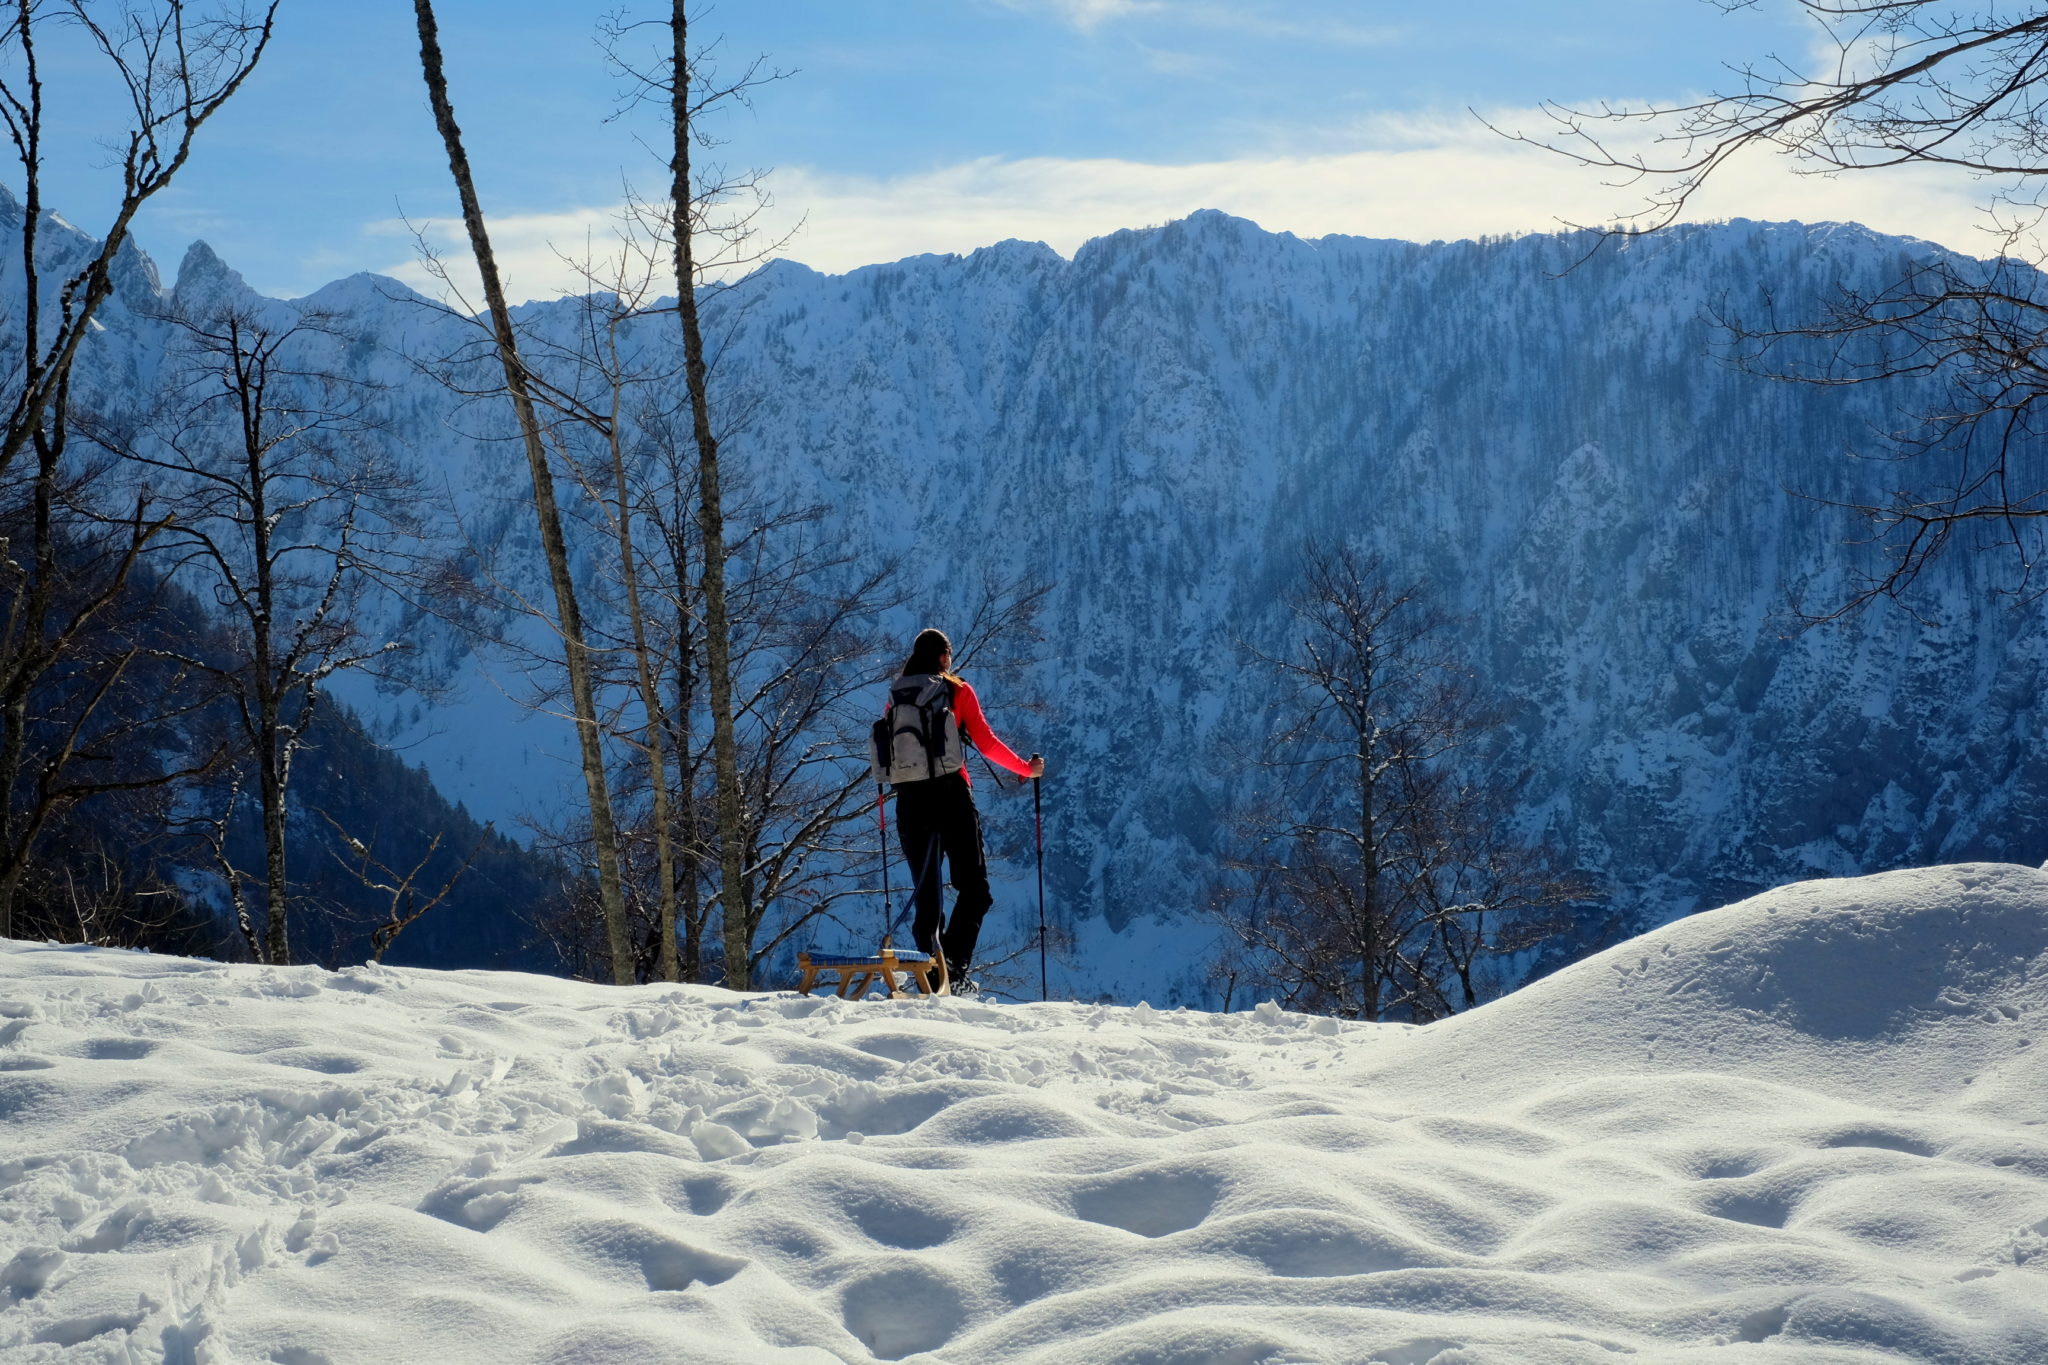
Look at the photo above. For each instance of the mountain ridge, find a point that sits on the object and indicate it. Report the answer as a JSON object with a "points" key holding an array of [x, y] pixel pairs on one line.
{"points": [[1156, 423]]}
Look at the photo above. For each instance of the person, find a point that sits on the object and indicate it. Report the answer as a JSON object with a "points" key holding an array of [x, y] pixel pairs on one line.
{"points": [[935, 814]]}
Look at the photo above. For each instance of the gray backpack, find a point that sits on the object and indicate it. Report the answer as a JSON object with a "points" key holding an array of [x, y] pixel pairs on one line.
{"points": [[918, 736]]}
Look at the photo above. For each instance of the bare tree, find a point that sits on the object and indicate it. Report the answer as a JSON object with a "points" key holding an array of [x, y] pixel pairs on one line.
{"points": [[1485, 893], [1897, 83], [691, 203], [652, 734], [708, 220], [568, 613], [631, 451], [603, 391], [807, 639], [106, 882], [282, 513], [805, 643], [1374, 864], [406, 896], [177, 65], [88, 711]]}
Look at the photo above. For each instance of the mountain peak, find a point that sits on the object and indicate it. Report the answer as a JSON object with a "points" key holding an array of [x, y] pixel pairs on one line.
{"points": [[1217, 223], [205, 281], [203, 265], [362, 290]]}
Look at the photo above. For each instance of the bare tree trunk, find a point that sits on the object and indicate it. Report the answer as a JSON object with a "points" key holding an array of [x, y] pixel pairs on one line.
{"points": [[32, 654], [269, 707], [16, 843], [603, 833], [1369, 879], [24, 639], [710, 529], [688, 870], [666, 965], [270, 792]]}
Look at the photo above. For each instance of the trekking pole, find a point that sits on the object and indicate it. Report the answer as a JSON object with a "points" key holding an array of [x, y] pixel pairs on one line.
{"points": [[1038, 818], [882, 820]]}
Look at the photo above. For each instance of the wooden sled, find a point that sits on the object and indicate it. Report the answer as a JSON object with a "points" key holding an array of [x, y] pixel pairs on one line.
{"points": [[856, 975]]}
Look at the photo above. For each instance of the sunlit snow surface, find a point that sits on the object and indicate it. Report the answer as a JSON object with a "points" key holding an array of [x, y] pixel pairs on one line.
{"points": [[1809, 1127]]}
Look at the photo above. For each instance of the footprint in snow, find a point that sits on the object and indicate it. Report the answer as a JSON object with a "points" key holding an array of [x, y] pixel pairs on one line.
{"points": [[1151, 1203], [902, 1309]]}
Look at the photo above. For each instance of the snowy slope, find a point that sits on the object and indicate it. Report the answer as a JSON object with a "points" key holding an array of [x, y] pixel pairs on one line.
{"points": [[1810, 1127]]}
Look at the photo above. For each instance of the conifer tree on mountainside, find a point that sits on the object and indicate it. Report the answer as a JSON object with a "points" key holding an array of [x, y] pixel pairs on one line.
{"points": [[1883, 85]]}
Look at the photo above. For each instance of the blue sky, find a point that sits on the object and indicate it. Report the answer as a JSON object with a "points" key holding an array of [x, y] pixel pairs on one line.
{"points": [[941, 125]]}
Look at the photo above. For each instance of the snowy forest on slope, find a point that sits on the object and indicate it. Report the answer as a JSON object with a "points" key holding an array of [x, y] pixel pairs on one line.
{"points": [[1154, 429]]}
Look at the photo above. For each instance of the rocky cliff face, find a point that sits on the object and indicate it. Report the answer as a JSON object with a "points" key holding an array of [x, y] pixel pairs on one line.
{"points": [[1156, 426]]}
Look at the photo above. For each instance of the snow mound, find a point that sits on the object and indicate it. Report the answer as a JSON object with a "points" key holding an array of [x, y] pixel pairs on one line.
{"points": [[1924, 987], [1803, 1128]]}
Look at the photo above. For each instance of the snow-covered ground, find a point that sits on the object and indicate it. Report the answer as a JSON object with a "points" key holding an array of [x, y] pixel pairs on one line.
{"points": [[1809, 1127]]}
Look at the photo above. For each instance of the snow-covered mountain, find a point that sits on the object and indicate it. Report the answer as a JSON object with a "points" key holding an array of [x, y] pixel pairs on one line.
{"points": [[1156, 425]]}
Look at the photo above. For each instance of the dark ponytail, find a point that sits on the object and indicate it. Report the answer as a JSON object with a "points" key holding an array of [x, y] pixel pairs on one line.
{"points": [[925, 652]]}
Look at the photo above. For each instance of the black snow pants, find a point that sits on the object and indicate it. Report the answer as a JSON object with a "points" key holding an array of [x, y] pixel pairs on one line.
{"points": [[936, 819]]}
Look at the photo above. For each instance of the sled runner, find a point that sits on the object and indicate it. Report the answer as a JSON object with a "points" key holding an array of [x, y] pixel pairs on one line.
{"points": [[857, 975]]}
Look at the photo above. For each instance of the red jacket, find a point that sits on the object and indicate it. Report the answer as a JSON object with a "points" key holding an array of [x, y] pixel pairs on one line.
{"points": [[968, 707]]}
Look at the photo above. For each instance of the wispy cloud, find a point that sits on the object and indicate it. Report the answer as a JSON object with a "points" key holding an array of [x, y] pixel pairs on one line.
{"points": [[537, 253], [1419, 177], [1264, 20], [1087, 15], [1268, 22], [1171, 62]]}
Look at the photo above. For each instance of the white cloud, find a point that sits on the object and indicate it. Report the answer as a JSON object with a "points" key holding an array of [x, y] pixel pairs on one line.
{"points": [[1264, 20], [1170, 62], [530, 249], [1088, 15], [1421, 178], [1417, 176]]}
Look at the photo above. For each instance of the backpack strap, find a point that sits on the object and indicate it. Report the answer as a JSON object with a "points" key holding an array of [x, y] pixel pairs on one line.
{"points": [[935, 711]]}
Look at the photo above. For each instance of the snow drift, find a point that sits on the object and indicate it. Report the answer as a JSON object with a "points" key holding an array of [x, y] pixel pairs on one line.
{"points": [[1806, 1127]]}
